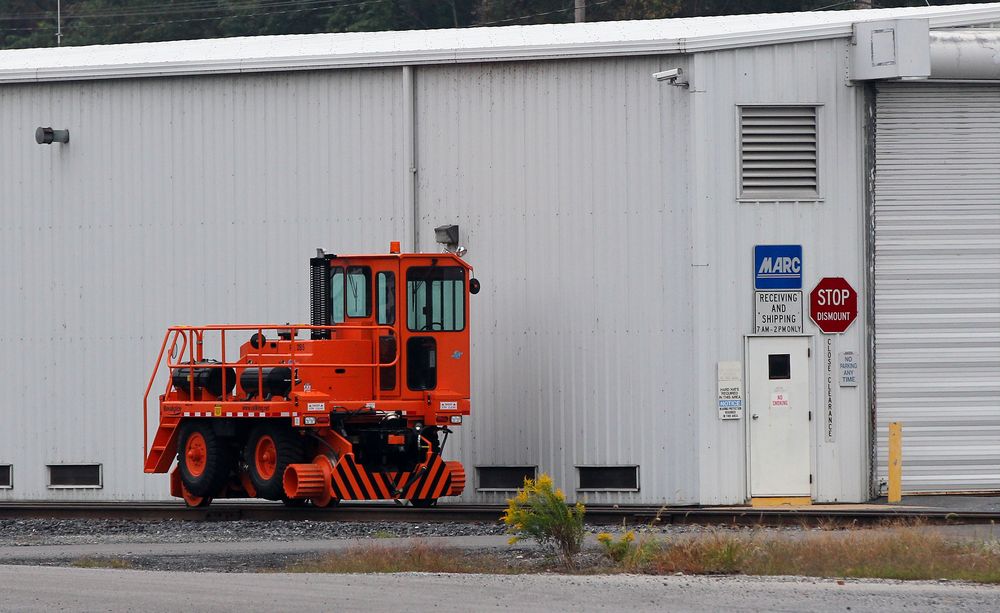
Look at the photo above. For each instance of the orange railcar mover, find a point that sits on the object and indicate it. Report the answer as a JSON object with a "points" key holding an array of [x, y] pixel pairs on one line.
{"points": [[357, 405]]}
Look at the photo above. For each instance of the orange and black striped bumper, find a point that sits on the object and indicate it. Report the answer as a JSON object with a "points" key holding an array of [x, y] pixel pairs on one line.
{"points": [[349, 480]]}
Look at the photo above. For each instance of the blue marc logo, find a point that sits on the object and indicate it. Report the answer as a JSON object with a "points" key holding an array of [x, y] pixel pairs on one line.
{"points": [[777, 267]]}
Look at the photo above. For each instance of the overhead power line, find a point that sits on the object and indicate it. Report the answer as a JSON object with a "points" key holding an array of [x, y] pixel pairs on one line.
{"points": [[72, 25], [552, 12], [72, 21], [172, 8]]}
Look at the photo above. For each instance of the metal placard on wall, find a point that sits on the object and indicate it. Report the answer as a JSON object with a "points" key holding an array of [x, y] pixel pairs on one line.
{"points": [[730, 390], [777, 313]]}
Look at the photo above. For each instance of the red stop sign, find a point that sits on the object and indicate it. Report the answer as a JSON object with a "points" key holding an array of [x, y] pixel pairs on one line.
{"points": [[833, 305]]}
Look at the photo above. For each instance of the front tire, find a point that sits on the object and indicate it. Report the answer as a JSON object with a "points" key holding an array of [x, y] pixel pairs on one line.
{"points": [[268, 453], [204, 459]]}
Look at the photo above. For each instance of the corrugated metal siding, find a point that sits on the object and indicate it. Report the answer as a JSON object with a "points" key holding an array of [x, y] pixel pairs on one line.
{"points": [[194, 200], [567, 179], [937, 276], [725, 232], [598, 205]]}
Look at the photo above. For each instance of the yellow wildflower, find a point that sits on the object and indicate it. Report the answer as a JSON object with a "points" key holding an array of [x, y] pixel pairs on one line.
{"points": [[604, 537]]}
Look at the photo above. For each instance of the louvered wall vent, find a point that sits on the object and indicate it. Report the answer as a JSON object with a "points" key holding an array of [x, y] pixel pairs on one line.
{"points": [[778, 153]]}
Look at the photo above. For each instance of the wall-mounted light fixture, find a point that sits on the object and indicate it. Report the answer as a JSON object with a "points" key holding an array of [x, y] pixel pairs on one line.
{"points": [[447, 235], [47, 136]]}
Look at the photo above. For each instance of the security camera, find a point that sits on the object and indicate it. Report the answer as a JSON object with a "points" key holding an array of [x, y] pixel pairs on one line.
{"points": [[674, 76]]}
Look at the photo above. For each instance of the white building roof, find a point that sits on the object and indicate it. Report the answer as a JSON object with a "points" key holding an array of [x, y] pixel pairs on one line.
{"points": [[355, 49]]}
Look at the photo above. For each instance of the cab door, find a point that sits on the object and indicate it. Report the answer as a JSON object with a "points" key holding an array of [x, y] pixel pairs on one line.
{"points": [[436, 351], [386, 288]]}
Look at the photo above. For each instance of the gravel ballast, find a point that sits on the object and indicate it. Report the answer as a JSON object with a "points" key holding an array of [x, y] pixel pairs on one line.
{"points": [[25, 532]]}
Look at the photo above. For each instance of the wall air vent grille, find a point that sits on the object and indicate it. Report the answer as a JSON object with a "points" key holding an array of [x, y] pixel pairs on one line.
{"points": [[778, 153]]}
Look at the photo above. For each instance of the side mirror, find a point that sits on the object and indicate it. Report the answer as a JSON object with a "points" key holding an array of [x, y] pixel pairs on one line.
{"points": [[474, 286]]}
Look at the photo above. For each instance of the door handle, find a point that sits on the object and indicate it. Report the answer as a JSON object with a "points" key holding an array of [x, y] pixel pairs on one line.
{"points": [[754, 416]]}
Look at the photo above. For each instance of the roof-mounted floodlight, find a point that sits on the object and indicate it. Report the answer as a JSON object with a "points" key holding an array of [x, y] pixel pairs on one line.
{"points": [[47, 136], [447, 235]]}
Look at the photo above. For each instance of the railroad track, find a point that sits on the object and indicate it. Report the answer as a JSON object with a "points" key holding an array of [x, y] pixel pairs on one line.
{"points": [[632, 515]]}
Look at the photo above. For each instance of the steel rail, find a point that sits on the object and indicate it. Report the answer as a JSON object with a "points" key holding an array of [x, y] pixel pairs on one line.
{"points": [[598, 514]]}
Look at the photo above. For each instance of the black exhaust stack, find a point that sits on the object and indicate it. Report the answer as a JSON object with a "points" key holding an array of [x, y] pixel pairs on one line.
{"points": [[320, 299]]}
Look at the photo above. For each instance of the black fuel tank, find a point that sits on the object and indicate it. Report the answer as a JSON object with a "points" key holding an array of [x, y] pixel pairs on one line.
{"points": [[277, 381]]}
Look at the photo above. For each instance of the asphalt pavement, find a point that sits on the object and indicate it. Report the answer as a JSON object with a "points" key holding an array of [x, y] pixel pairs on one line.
{"points": [[33, 588]]}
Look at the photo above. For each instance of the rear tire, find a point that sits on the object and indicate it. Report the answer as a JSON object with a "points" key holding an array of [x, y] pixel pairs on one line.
{"points": [[269, 451], [204, 458], [195, 502]]}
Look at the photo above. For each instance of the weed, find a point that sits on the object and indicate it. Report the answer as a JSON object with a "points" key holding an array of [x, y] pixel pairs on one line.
{"points": [[539, 512], [617, 550]]}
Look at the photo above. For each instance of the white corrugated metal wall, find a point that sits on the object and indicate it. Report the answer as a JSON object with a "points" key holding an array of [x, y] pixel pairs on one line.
{"points": [[177, 201], [568, 180], [725, 232], [937, 281]]}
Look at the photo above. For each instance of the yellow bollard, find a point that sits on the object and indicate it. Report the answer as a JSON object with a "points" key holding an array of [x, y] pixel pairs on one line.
{"points": [[895, 462]]}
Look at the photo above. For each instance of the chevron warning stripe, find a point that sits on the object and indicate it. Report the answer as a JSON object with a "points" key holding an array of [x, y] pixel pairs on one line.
{"points": [[352, 481], [431, 481]]}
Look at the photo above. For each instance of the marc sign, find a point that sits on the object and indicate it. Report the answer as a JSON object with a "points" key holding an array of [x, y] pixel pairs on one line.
{"points": [[833, 305], [777, 267]]}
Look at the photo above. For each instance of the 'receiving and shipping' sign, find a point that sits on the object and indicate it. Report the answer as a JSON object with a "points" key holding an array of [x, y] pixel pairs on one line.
{"points": [[730, 390], [778, 312], [777, 267]]}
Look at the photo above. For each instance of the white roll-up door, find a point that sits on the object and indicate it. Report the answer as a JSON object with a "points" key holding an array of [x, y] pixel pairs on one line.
{"points": [[937, 283]]}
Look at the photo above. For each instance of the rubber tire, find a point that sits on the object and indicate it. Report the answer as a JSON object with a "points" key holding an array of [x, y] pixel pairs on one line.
{"points": [[290, 450], [218, 460], [196, 502]]}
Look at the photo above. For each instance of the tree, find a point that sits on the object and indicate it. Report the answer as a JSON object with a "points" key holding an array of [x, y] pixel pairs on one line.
{"points": [[32, 23]]}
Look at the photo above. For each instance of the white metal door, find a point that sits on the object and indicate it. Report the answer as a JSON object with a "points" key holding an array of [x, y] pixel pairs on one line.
{"points": [[937, 283], [778, 395]]}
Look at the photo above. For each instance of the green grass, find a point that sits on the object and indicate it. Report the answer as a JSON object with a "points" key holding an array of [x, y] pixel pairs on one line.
{"points": [[94, 562], [886, 553], [900, 552], [416, 557]]}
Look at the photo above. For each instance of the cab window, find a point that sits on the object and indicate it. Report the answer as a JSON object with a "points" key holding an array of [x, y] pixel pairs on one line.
{"points": [[359, 299], [385, 290], [336, 295], [435, 298], [350, 292]]}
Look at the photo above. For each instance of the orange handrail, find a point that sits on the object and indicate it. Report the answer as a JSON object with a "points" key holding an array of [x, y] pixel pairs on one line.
{"points": [[191, 339]]}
